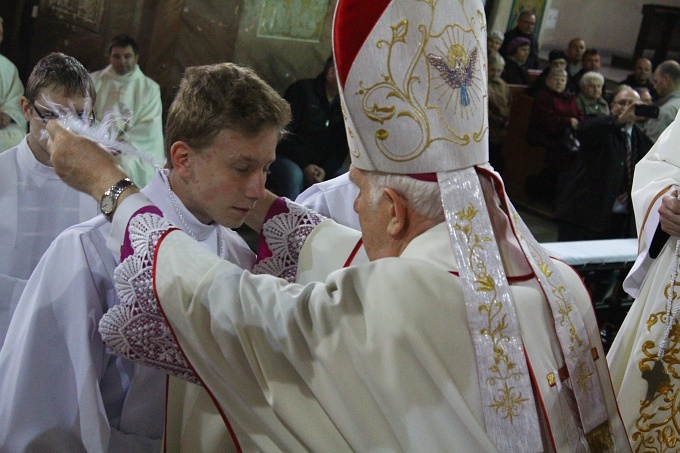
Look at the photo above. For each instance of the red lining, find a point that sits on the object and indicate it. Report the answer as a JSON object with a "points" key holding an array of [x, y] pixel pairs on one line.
{"points": [[172, 330], [355, 250], [354, 20]]}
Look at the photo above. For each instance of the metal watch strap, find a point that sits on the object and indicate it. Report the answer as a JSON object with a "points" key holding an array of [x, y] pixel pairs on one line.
{"points": [[111, 196]]}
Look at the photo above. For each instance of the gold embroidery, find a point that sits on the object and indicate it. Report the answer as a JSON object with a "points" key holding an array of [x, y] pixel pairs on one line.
{"points": [[508, 401], [552, 381], [449, 63], [658, 426], [583, 373]]}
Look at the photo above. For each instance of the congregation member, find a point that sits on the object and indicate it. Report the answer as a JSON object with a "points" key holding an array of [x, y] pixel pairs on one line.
{"points": [[596, 202], [558, 60], [575, 51], [592, 62], [500, 100], [333, 199], [515, 72], [120, 405], [644, 356], [645, 95], [667, 86], [132, 101], [526, 23], [552, 125], [335, 365], [641, 77], [316, 147], [12, 121], [589, 100], [36, 204], [493, 42]]}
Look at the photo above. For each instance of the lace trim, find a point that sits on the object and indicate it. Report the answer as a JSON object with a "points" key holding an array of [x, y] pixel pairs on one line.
{"points": [[136, 328], [284, 235]]}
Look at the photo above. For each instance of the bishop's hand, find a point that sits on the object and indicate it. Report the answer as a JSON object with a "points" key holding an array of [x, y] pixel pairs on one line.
{"points": [[80, 162], [669, 213]]}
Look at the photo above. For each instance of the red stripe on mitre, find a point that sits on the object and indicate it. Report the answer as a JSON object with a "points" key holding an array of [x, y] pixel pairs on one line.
{"points": [[427, 177], [354, 20]]}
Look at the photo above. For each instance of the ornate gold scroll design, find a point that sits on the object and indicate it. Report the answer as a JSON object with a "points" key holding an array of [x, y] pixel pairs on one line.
{"points": [[396, 96], [658, 426], [508, 401]]}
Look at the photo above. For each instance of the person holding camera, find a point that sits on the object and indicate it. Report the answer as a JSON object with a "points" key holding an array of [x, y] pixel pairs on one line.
{"points": [[667, 86], [595, 203]]}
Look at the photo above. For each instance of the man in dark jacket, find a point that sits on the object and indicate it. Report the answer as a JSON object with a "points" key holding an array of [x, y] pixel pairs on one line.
{"points": [[526, 23], [316, 147], [596, 201]]}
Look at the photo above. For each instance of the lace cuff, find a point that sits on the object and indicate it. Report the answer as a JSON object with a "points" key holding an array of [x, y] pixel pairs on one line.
{"points": [[284, 232], [136, 328]]}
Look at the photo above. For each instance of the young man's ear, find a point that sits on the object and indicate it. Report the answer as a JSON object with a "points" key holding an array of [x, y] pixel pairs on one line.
{"points": [[26, 108], [180, 155], [397, 211]]}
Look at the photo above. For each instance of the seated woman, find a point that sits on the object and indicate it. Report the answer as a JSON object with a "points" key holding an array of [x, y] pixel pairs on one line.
{"points": [[500, 98], [589, 99], [554, 118], [493, 42], [556, 59], [515, 73]]}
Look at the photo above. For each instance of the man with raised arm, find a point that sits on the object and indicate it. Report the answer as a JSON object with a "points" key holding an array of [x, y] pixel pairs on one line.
{"points": [[487, 345], [62, 390]]}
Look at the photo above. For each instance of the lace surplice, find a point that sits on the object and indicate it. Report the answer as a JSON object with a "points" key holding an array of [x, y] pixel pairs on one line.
{"points": [[137, 329]]}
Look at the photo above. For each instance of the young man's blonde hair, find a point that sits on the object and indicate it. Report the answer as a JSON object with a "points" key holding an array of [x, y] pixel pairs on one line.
{"points": [[221, 97]]}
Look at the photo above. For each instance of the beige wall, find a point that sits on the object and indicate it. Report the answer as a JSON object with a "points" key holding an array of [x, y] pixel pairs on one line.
{"points": [[280, 61]]}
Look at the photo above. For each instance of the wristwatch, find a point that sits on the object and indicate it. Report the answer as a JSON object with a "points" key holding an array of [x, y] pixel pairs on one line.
{"points": [[109, 200]]}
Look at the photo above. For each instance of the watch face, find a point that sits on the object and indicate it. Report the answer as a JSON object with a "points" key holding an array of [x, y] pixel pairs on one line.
{"points": [[107, 204]]}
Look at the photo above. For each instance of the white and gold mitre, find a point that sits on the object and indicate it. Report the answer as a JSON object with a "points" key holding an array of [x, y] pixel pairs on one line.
{"points": [[412, 77]]}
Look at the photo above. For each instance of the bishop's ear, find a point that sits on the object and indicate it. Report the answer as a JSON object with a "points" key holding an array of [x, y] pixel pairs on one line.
{"points": [[397, 211]]}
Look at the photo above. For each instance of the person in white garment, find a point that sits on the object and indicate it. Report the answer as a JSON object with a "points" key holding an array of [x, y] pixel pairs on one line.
{"points": [[36, 205], [12, 121], [459, 333], [334, 199], [644, 356], [132, 101], [62, 390]]}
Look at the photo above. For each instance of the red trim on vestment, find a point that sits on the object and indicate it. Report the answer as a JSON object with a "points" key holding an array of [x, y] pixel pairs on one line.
{"points": [[354, 20], [355, 250], [172, 331]]}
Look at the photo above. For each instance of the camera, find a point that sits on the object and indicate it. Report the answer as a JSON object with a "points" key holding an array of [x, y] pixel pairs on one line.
{"points": [[647, 111]]}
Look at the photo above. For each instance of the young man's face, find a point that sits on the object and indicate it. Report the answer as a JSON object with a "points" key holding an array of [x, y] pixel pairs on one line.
{"points": [[123, 59], [48, 105], [224, 182]]}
